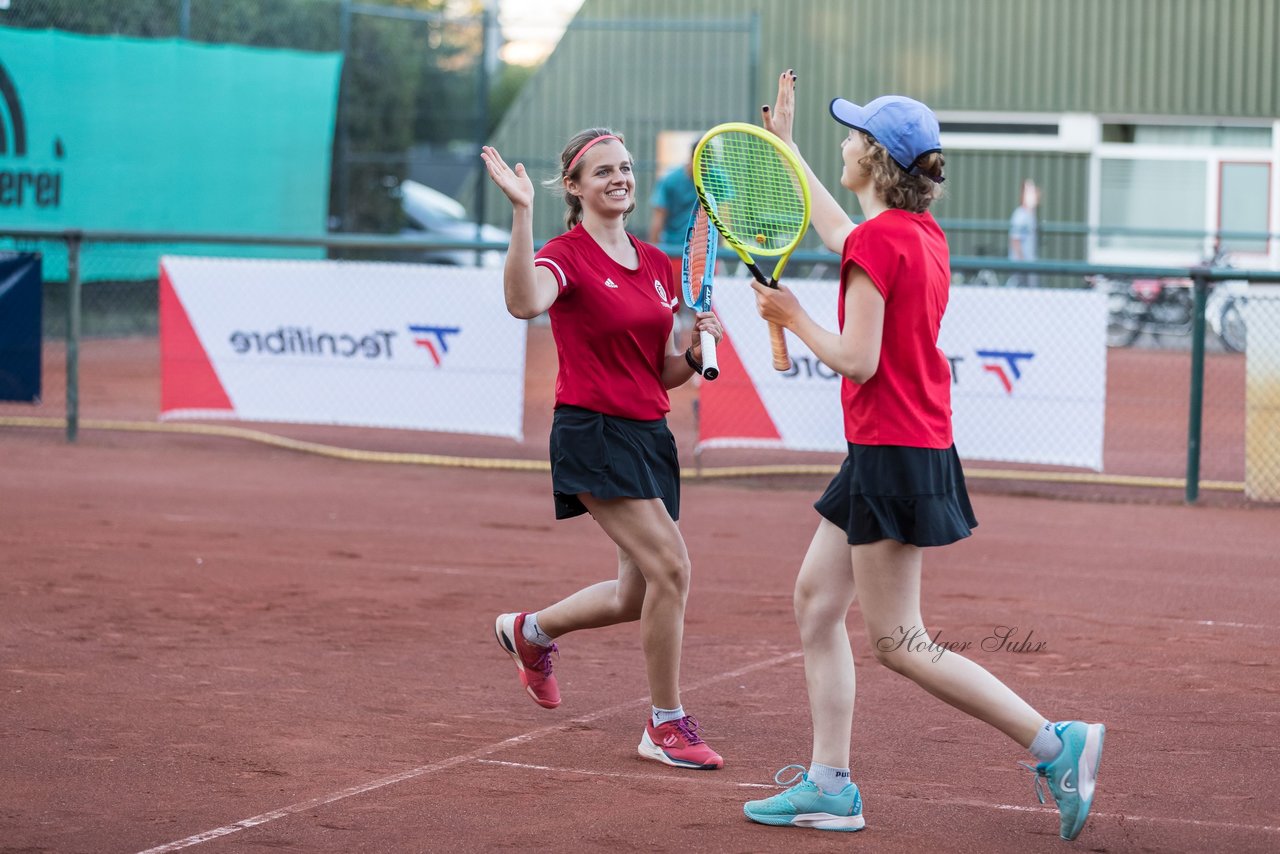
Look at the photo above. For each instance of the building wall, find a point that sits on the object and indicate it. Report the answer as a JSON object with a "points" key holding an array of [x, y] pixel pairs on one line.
{"points": [[1157, 57], [624, 63]]}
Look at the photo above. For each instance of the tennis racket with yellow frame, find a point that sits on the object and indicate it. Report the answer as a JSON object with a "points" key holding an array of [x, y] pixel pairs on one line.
{"points": [[753, 189]]}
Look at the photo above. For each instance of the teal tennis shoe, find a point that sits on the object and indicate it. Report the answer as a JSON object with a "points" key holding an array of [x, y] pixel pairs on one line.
{"points": [[806, 805], [1073, 775]]}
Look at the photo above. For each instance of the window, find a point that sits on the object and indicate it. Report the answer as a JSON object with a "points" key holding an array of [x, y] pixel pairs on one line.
{"points": [[675, 148], [1187, 136], [1013, 128], [1243, 197], [1152, 194], [1018, 131], [1198, 179]]}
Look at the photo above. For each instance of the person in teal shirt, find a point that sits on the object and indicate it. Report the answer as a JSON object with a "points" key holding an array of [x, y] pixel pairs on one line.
{"points": [[671, 203]]}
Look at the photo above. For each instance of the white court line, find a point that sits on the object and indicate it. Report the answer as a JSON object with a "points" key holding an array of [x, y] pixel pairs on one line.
{"points": [[1195, 822], [1232, 625], [478, 753], [944, 801], [697, 780]]}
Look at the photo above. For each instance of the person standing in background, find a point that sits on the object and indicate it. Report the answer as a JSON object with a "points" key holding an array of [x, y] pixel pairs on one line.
{"points": [[670, 204], [1023, 231]]}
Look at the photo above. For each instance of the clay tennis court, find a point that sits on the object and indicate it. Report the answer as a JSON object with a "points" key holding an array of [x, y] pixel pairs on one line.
{"points": [[212, 644]]}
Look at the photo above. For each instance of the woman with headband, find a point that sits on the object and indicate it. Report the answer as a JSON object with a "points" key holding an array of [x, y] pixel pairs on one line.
{"points": [[611, 300]]}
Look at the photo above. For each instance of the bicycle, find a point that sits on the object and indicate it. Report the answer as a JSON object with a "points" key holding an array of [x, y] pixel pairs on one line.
{"points": [[1224, 310], [1164, 307]]}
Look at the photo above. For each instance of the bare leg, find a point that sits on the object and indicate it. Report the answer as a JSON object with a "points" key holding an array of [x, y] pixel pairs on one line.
{"points": [[603, 604], [649, 541], [887, 574], [824, 592]]}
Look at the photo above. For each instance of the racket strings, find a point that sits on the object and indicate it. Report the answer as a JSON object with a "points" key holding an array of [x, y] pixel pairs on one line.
{"points": [[754, 190], [698, 257]]}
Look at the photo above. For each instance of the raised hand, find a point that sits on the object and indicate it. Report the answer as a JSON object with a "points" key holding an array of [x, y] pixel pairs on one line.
{"points": [[514, 183], [780, 120]]}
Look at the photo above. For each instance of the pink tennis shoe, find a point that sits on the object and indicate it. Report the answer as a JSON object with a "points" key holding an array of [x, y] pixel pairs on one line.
{"points": [[678, 744], [532, 661]]}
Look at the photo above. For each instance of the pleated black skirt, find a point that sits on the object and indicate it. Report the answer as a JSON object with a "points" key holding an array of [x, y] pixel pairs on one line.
{"points": [[888, 492], [607, 456]]}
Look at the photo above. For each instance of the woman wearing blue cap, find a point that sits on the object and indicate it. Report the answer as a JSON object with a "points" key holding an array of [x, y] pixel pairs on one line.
{"points": [[901, 488]]}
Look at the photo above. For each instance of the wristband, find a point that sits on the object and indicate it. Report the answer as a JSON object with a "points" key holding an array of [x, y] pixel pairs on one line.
{"points": [[693, 363]]}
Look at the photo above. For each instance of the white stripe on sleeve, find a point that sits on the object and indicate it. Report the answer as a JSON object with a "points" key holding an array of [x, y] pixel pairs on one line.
{"points": [[555, 269]]}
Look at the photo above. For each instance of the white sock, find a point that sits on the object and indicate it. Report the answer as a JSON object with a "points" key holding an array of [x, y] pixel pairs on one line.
{"points": [[830, 780], [662, 716], [1046, 745], [533, 634]]}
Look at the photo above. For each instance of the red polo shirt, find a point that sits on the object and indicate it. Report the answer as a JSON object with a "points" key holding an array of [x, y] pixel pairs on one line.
{"points": [[611, 325], [908, 401]]}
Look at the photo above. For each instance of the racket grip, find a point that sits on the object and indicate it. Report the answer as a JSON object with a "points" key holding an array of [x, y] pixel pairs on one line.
{"points": [[710, 367], [778, 344]]}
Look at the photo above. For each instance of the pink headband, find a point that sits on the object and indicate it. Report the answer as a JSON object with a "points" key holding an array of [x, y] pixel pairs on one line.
{"points": [[583, 150]]}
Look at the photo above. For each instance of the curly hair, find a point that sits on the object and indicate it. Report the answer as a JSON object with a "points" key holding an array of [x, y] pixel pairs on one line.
{"points": [[898, 188], [573, 215]]}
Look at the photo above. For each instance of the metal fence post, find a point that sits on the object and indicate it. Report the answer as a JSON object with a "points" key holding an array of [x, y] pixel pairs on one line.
{"points": [[73, 334], [488, 57], [1200, 285], [342, 143]]}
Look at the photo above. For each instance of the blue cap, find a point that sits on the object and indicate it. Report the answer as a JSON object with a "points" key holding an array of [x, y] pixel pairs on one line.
{"points": [[905, 127]]}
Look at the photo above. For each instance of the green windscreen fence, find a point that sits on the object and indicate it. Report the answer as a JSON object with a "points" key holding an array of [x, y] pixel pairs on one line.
{"points": [[123, 134]]}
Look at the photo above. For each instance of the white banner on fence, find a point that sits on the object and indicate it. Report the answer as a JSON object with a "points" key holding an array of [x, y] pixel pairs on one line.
{"points": [[334, 342], [1028, 369]]}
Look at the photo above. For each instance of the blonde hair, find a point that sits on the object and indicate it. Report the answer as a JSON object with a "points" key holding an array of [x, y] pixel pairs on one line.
{"points": [[898, 188], [579, 141]]}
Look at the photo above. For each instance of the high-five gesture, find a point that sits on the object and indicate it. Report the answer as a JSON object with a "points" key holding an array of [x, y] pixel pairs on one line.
{"points": [[514, 183], [781, 119], [528, 291], [829, 219]]}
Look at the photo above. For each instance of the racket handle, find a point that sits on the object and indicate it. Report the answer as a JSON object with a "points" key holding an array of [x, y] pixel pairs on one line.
{"points": [[778, 344], [710, 367]]}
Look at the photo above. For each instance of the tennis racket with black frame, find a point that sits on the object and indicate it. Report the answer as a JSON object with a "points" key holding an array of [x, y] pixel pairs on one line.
{"points": [[753, 188], [697, 271]]}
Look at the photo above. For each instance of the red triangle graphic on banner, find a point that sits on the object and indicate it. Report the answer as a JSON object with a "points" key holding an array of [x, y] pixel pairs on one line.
{"points": [[730, 406], [187, 377]]}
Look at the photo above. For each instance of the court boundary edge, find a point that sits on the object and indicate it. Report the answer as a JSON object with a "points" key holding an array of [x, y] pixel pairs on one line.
{"points": [[501, 464]]}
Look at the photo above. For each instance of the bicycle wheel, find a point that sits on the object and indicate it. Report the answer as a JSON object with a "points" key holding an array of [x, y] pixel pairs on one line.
{"points": [[1125, 318], [987, 279], [1231, 325]]}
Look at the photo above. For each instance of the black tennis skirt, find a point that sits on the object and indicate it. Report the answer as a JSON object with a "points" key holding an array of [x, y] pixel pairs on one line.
{"points": [[889, 492], [608, 456]]}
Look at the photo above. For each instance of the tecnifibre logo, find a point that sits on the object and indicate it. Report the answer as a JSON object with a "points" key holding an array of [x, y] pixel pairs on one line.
{"points": [[1006, 365], [434, 339], [23, 187]]}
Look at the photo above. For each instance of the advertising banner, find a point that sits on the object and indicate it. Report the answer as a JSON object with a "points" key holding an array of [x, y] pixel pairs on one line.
{"points": [[20, 330], [123, 134], [384, 345], [1028, 376]]}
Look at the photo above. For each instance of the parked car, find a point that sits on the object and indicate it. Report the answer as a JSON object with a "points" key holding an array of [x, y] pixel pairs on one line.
{"points": [[429, 213]]}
